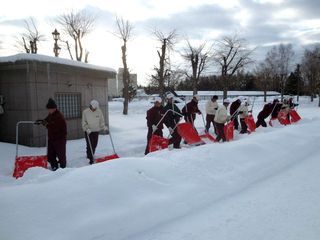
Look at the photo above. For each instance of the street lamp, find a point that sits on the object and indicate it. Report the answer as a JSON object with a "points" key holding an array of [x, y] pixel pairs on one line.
{"points": [[56, 37]]}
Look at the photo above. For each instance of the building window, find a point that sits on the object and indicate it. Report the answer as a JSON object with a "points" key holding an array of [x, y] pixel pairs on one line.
{"points": [[69, 104]]}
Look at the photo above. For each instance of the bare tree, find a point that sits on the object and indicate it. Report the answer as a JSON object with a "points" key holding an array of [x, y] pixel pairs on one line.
{"points": [[264, 73], [280, 59], [124, 32], [30, 38], [231, 55], [163, 71], [198, 57], [310, 69], [77, 25]]}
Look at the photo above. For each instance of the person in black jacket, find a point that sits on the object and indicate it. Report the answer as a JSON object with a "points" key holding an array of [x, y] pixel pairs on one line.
{"points": [[172, 118], [263, 114], [276, 108], [154, 116], [190, 109], [57, 135], [234, 112]]}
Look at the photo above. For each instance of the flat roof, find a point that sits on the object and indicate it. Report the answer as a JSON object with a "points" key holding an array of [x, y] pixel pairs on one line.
{"points": [[58, 60]]}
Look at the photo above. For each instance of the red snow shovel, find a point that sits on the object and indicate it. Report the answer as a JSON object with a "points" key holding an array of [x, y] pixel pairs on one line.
{"points": [[189, 134], [108, 157], [22, 163], [157, 143], [283, 118], [228, 130], [249, 120], [295, 117]]}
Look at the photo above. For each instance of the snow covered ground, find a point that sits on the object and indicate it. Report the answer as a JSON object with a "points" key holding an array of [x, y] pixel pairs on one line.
{"points": [[260, 186]]}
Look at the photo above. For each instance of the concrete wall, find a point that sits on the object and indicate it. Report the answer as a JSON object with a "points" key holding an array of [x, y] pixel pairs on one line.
{"points": [[27, 85]]}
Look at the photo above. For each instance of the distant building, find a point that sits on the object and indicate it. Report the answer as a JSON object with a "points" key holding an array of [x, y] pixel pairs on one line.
{"points": [[28, 80], [116, 85]]}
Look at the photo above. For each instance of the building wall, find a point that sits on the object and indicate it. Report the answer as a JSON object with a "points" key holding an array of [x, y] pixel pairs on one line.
{"points": [[26, 87]]}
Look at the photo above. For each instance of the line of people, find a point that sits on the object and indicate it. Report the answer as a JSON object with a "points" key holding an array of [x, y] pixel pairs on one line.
{"points": [[92, 123], [216, 115], [273, 108]]}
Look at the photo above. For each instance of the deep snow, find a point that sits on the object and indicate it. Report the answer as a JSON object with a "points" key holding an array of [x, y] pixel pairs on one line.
{"points": [[260, 186]]}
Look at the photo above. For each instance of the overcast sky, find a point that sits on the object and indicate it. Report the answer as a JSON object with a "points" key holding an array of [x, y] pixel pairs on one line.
{"points": [[263, 23]]}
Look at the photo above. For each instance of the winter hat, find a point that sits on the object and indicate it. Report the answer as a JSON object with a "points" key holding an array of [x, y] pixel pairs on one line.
{"points": [[214, 97], [157, 99], [196, 96], [94, 104], [51, 104], [170, 95], [227, 100]]}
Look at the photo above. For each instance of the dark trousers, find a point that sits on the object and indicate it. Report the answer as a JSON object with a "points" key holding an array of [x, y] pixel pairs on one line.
{"points": [[220, 132], [209, 120], [190, 118], [93, 136], [261, 122], [236, 122], [157, 132], [175, 139], [244, 127], [57, 149]]}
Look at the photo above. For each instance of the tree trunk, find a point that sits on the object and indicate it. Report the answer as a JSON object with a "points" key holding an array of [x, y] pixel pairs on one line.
{"points": [[225, 86], [125, 80], [161, 68]]}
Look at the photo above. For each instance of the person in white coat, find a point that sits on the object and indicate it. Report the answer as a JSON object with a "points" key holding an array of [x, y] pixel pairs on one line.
{"points": [[243, 113], [211, 108], [220, 119], [92, 123]]}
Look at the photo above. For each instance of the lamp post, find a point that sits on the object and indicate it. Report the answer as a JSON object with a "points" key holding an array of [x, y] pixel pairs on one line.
{"points": [[56, 37]]}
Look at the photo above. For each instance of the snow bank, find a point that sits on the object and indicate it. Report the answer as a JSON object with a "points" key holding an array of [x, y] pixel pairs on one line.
{"points": [[260, 186]]}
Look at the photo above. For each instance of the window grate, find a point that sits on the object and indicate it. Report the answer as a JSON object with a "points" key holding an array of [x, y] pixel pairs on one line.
{"points": [[69, 104]]}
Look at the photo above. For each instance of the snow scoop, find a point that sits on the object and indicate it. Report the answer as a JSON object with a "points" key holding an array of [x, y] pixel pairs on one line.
{"points": [[108, 157], [283, 118], [295, 117], [189, 134], [158, 143], [228, 130], [249, 120], [22, 163]]}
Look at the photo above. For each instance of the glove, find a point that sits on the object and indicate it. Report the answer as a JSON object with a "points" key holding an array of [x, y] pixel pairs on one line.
{"points": [[154, 128], [88, 131], [38, 122], [170, 130]]}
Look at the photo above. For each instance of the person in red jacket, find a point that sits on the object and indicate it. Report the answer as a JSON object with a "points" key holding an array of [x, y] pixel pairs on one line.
{"points": [[190, 109], [57, 135], [154, 116]]}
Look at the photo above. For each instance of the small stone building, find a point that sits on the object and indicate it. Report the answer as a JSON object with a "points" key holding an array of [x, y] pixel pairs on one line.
{"points": [[27, 81]]}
